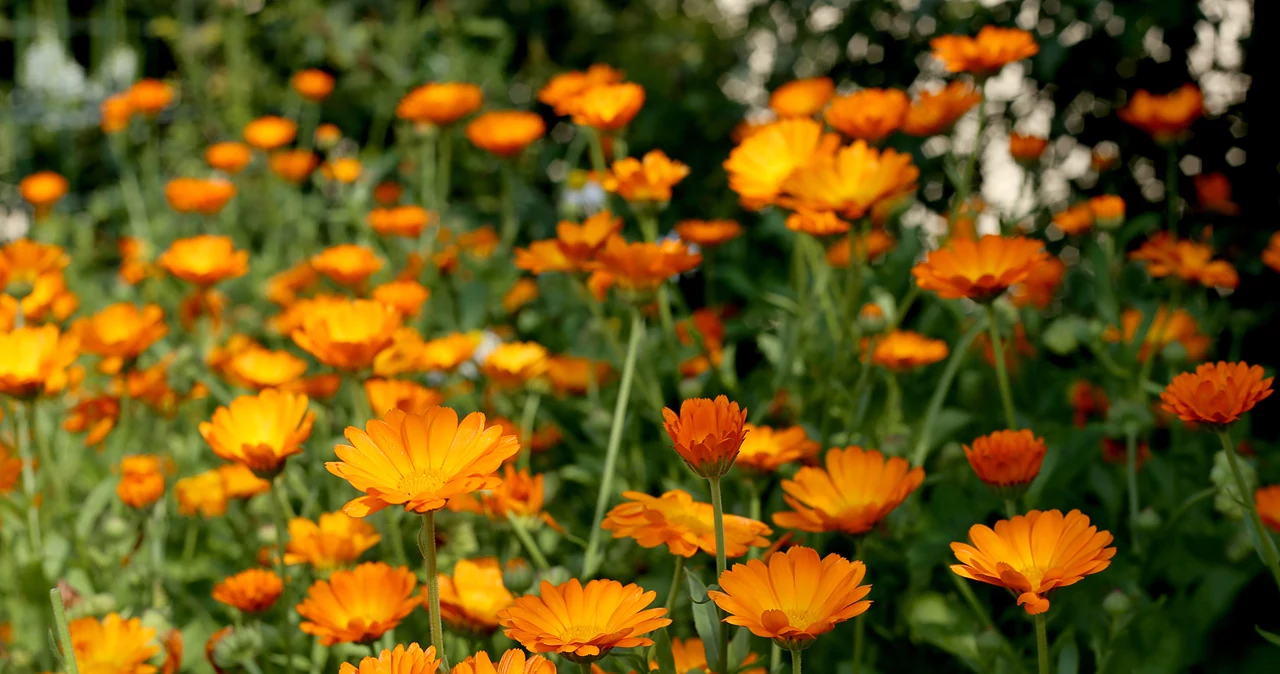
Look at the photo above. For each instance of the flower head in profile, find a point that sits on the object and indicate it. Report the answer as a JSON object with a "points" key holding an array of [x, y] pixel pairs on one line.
{"points": [[35, 360], [141, 480], [1166, 327], [979, 270], [642, 267], [347, 334], [1007, 461], [359, 605], [260, 368], [801, 98], [583, 623], [707, 434], [150, 96], [516, 363], [1025, 148], [906, 350], [204, 260], [347, 264], [763, 162], [1034, 554], [120, 333], [203, 495], [471, 598], [513, 661], [440, 103], [228, 157], [992, 49], [448, 352], [405, 221], [293, 166], [312, 84], [270, 132], [869, 114], [708, 233], [1216, 394], [410, 396], [252, 591], [1074, 220], [240, 482], [935, 112], [794, 597], [766, 449], [645, 180], [1164, 117], [607, 107], [1213, 194], [505, 132], [1190, 261], [685, 526], [113, 644], [43, 189], [851, 180], [401, 660], [420, 461], [1108, 210], [856, 489], [260, 431], [332, 541], [818, 223]]}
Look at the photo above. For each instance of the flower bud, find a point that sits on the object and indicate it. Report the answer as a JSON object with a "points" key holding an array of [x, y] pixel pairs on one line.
{"points": [[1117, 603], [517, 575], [1148, 520]]}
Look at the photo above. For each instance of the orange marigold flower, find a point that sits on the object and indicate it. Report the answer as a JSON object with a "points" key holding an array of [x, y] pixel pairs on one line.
{"points": [[794, 597], [565, 87], [345, 170], [870, 246], [1166, 116], [270, 132], [404, 296], [1267, 500], [312, 84], [579, 243], [1076, 219], [471, 598], [905, 350], [986, 54], [141, 480], [252, 591], [1040, 285], [347, 334], [817, 223], [1213, 193], [1025, 148], [583, 624], [708, 233], [203, 494], [1165, 328], [360, 605], [230, 157], [402, 660], [980, 270], [198, 195], [34, 272], [607, 107], [96, 415], [43, 189], [801, 98], [150, 96], [293, 165], [420, 460], [448, 352], [260, 431], [335, 540], [642, 267], [857, 489], [522, 292], [1216, 394], [120, 333], [1034, 554], [440, 103], [935, 112], [240, 482], [515, 363], [406, 221], [1271, 255], [1007, 461], [766, 449], [390, 394], [1108, 210], [513, 661], [763, 162], [116, 111], [851, 180], [1167, 255], [682, 524], [328, 135], [205, 260], [571, 375], [869, 114], [707, 434], [506, 132], [35, 360], [519, 494], [113, 644], [648, 179], [261, 368]]}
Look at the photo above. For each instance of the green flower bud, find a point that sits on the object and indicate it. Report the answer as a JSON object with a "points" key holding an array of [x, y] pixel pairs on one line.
{"points": [[1117, 603]]}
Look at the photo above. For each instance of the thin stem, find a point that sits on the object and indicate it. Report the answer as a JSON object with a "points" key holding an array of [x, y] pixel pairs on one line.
{"points": [[427, 166], [794, 323], [795, 661], [530, 546], [592, 560], [597, 149], [1011, 507], [22, 420], [1171, 188], [64, 631], [1042, 644], [444, 169], [853, 280], [1131, 484], [528, 417], [859, 385], [675, 584], [508, 206], [584, 667], [958, 353], [1002, 371], [427, 544], [1266, 547], [717, 510], [859, 635], [282, 532]]}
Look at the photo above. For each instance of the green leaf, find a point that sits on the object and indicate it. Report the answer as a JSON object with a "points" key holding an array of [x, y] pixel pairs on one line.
{"points": [[739, 648], [1273, 638], [92, 507], [662, 650], [56, 549], [705, 617], [1069, 658]]}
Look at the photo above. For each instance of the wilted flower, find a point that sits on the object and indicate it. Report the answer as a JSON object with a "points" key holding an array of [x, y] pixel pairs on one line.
{"points": [[685, 526], [505, 132], [1216, 394], [440, 103], [588, 622], [986, 54], [360, 605], [1167, 116], [869, 114], [801, 98]]}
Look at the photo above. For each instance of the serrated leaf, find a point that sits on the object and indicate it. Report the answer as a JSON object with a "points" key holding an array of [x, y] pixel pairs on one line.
{"points": [[706, 618]]}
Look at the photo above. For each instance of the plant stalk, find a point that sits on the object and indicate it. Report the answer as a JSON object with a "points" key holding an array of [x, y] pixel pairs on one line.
{"points": [[1266, 546], [1002, 370]]}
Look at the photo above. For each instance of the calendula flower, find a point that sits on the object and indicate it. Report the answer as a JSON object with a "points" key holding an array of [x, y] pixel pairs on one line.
{"points": [[1216, 394], [35, 360], [32, 282], [708, 233], [387, 193], [986, 54], [1074, 220], [327, 136], [406, 221], [260, 368], [149, 96], [260, 431], [229, 157], [42, 190], [293, 165], [240, 482], [1267, 500], [1167, 255], [346, 264], [203, 494], [335, 540], [571, 375], [116, 111], [405, 296], [857, 489], [851, 180], [563, 88], [471, 598], [347, 334], [979, 270], [707, 434], [345, 170], [515, 363], [95, 417], [506, 132], [401, 660], [1025, 148], [522, 292], [141, 480], [765, 449], [763, 162], [198, 195], [1007, 461], [360, 605], [1108, 211], [312, 84], [869, 246], [682, 524], [935, 112], [801, 98], [412, 397], [1166, 327], [1271, 256], [817, 223], [1164, 117], [120, 333], [448, 352], [1213, 194], [205, 260], [270, 132], [1038, 288], [252, 591], [440, 103], [794, 597], [642, 267], [480, 242], [519, 493], [113, 645], [583, 624], [645, 180], [1034, 554], [905, 350], [513, 661], [607, 107], [579, 243], [869, 114]]}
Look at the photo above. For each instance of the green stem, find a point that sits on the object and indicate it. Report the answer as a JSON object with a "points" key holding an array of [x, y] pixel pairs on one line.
{"points": [[1011, 507], [426, 168], [64, 631], [427, 545], [528, 417], [1042, 644], [584, 667], [444, 169], [1002, 371], [592, 560], [853, 280], [971, 164], [958, 353], [1131, 482], [794, 323], [282, 532], [675, 584], [795, 661], [648, 221], [859, 635], [22, 421], [1171, 188], [722, 564], [907, 300], [597, 149], [530, 546], [1266, 546], [509, 221]]}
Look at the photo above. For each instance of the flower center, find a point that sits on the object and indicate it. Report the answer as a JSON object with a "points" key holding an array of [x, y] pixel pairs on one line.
{"points": [[798, 618], [423, 481], [581, 633]]}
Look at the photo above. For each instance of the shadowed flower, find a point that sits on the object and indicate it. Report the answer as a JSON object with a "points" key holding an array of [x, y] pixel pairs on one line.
{"points": [[406, 221], [1027, 149], [252, 591], [607, 107], [205, 260], [440, 103], [708, 233], [312, 84], [35, 360], [794, 597], [642, 267], [851, 180], [1034, 554], [293, 165], [1213, 194], [522, 292], [986, 54], [113, 645], [763, 162], [682, 524], [1190, 261], [360, 605], [766, 449], [260, 431], [346, 264], [1267, 500], [203, 494], [583, 624], [198, 195], [402, 660], [869, 114], [560, 92], [979, 270], [347, 334], [141, 480], [270, 132], [857, 489], [904, 350], [515, 363], [1165, 328], [1216, 394], [229, 157], [801, 98], [513, 661], [935, 112], [1040, 285], [120, 333], [410, 396], [1164, 117], [471, 598], [405, 296], [707, 434], [335, 540], [571, 375], [1007, 461], [1087, 400], [505, 132], [648, 179]]}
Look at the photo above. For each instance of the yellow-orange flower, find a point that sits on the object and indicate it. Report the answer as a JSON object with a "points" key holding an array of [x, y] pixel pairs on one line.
{"points": [[707, 434], [1034, 554], [515, 363], [991, 50], [794, 597], [260, 431], [141, 480], [1216, 394], [562, 89], [708, 232], [471, 598], [766, 449], [579, 243], [764, 161], [116, 111], [1190, 261], [205, 260], [935, 112], [347, 264], [335, 540], [506, 132], [360, 605], [448, 352], [402, 660], [257, 367], [150, 96], [519, 493], [1074, 220], [1026, 148], [1108, 210], [270, 132], [905, 350], [293, 165], [35, 360], [203, 494], [240, 482], [1166, 327], [347, 334], [642, 267], [389, 394], [198, 195], [406, 221], [440, 103], [869, 114], [96, 415], [1213, 193], [851, 180], [648, 179], [230, 157], [581, 623], [607, 107], [344, 170], [980, 270], [43, 189], [870, 246], [801, 98], [1007, 461], [817, 223], [120, 333], [513, 661], [113, 645], [573, 375], [1040, 285], [312, 84], [522, 292], [855, 491], [405, 296], [420, 460], [252, 591], [1166, 116], [682, 524], [1267, 500]]}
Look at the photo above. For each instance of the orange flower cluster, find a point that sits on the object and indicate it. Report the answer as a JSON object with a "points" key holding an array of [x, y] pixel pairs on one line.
{"points": [[1190, 261]]}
